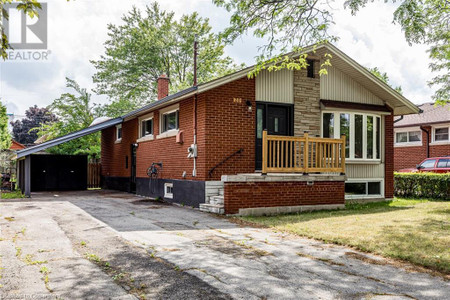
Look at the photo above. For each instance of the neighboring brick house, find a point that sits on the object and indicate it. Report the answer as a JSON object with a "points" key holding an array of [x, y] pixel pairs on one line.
{"points": [[259, 145], [422, 135]]}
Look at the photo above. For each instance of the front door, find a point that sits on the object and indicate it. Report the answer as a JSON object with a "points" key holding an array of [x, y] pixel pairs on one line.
{"points": [[277, 119], [133, 169]]}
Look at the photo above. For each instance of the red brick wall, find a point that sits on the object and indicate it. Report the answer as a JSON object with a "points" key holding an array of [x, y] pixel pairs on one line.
{"points": [[409, 157], [114, 154], [230, 127], [270, 194], [223, 126], [389, 157]]}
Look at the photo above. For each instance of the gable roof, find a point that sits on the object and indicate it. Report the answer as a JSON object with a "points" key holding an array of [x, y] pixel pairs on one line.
{"points": [[430, 114]]}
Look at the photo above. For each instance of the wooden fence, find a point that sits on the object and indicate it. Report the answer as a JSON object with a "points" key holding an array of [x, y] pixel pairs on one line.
{"points": [[289, 154], [94, 174]]}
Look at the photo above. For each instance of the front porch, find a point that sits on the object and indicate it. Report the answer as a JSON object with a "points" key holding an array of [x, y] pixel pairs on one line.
{"points": [[298, 174]]}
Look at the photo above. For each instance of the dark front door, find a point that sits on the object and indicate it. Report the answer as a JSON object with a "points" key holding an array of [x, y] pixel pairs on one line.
{"points": [[277, 119], [133, 169]]}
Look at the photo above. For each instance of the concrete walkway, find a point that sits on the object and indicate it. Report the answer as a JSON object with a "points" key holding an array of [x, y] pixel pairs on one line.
{"points": [[177, 252]]}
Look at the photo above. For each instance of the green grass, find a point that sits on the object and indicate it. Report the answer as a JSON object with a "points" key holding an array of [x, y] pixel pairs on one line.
{"points": [[12, 195], [417, 231]]}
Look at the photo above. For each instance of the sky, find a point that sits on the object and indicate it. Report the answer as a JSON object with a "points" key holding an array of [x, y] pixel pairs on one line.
{"points": [[77, 31]]}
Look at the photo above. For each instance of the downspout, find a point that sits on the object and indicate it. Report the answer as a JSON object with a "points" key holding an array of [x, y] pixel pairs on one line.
{"points": [[428, 140], [194, 171]]}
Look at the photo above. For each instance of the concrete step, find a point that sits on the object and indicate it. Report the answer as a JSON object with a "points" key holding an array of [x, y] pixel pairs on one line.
{"points": [[216, 200], [212, 208]]}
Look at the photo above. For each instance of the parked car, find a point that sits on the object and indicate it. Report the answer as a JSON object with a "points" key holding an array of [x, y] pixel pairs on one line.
{"points": [[434, 165]]}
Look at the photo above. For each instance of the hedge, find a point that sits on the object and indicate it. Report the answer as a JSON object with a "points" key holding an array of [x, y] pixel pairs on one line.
{"points": [[422, 185]]}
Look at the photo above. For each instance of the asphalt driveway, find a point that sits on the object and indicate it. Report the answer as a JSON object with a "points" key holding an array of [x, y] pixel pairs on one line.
{"points": [[111, 245]]}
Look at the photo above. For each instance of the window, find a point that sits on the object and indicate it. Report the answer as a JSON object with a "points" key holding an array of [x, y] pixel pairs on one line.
{"points": [[168, 190], [444, 163], [441, 134], [362, 133], [146, 127], [169, 121], [363, 188], [310, 68], [119, 132], [345, 130], [428, 164], [408, 137]]}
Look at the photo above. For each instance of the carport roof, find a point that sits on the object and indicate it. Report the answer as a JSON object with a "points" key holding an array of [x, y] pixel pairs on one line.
{"points": [[69, 137]]}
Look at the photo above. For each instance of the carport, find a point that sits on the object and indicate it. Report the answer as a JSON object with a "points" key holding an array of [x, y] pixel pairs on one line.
{"points": [[25, 174]]}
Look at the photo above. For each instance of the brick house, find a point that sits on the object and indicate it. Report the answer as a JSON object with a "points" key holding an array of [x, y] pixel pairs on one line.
{"points": [[284, 141], [422, 135]]}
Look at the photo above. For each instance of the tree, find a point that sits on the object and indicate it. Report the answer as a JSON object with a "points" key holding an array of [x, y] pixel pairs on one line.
{"points": [[35, 117], [384, 77], [152, 43], [5, 138], [75, 112], [292, 24], [29, 7]]}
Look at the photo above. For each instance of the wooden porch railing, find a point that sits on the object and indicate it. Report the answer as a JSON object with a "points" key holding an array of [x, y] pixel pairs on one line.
{"points": [[291, 154]]}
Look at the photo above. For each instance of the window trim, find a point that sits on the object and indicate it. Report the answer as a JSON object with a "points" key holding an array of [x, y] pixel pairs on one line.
{"points": [[337, 133], [366, 181], [407, 131], [147, 137], [433, 129], [165, 111], [119, 140], [166, 194]]}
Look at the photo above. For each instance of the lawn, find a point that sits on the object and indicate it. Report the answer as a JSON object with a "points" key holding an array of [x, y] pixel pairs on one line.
{"points": [[12, 195], [417, 231]]}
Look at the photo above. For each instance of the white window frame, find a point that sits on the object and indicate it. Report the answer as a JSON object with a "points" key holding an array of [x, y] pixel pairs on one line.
{"points": [[407, 131], [165, 111], [147, 137], [433, 129], [167, 194], [337, 133], [119, 140], [366, 181]]}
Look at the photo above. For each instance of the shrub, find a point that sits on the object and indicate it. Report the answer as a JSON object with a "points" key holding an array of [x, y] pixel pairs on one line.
{"points": [[422, 185]]}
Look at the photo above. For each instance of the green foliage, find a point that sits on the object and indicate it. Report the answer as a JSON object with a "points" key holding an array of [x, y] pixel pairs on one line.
{"points": [[75, 112], [5, 138], [422, 185], [149, 44], [383, 77]]}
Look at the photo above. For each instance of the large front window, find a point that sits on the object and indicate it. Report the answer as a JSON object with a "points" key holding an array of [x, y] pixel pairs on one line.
{"points": [[362, 133]]}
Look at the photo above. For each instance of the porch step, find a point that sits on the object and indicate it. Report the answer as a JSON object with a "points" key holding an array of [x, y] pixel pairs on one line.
{"points": [[212, 208], [216, 200]]}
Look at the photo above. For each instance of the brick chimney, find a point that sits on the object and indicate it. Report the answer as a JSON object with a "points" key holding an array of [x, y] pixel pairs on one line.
{"points": [[163, 86]]}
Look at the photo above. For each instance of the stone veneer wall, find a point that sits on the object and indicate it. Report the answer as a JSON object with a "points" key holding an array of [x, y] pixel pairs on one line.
{"points": [[307, 102]]}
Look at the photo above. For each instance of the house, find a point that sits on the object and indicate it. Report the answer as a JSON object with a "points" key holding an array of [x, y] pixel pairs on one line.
{"points": [[16, 146], [284, 141], [422, 135]]}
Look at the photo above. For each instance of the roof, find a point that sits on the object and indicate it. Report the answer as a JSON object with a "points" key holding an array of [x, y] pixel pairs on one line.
{"points": [[430, 114], [16, 145], [396, 101], [69, 137]]}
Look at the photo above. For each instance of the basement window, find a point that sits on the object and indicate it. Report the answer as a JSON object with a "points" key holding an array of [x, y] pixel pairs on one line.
{"points": [[368, 188], [168, 190]]}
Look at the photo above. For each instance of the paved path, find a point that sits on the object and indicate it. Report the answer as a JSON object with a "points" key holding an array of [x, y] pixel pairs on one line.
{"points": [[178, 253]]}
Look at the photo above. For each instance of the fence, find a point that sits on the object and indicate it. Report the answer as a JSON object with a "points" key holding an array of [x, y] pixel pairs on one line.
{"points": [[94, 174], [289, 154]]}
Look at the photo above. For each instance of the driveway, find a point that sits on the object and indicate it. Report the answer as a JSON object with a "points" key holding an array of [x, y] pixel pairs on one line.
{"points": [[111, 245]]}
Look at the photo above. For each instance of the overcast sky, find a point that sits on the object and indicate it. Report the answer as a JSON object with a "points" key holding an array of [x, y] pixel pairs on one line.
{"points": [[78, 29]]}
